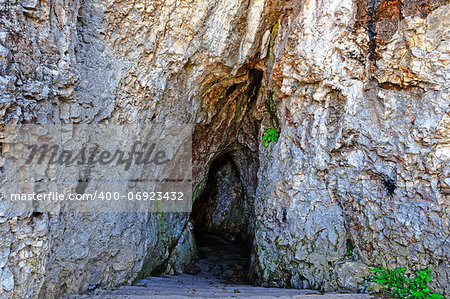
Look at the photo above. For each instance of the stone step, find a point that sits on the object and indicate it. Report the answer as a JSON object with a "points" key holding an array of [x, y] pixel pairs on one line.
{"points": [[190, 286]]}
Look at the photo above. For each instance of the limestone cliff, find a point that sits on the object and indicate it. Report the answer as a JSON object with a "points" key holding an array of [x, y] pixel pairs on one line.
{"points": [[358, 89]]}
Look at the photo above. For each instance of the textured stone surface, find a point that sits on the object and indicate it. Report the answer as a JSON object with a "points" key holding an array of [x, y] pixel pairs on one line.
{"points": [[364, 148], [72, 61], [223, 207], [351, 275], [359, 158], [187, 286]]}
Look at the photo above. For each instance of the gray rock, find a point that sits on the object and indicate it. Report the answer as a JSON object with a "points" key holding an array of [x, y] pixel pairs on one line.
{"points": [[362, 153], [7, 280], [4, 52], [4, 254], [351, 275]]}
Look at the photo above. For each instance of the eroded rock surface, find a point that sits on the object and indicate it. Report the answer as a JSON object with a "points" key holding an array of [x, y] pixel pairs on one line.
{"points": [[363, 155], [357, 88], [223, 208]]}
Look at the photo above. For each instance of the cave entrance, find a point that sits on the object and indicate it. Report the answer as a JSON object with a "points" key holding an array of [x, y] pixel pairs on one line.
{"points": [[222, 216]]}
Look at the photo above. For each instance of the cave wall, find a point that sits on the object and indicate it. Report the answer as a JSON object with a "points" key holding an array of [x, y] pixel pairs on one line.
{"points": [[364, 147], [224, 206], [357, 88]]}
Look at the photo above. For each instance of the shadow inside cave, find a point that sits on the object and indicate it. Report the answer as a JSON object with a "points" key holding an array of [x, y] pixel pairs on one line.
{"points": [[221, 216], [218, 257]]}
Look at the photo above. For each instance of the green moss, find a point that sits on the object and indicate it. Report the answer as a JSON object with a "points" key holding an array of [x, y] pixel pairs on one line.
{"points": [[43, 291], [272, 107], [273, 36], [147, 268], [270, 102], [196, 190], [189, 67], [162, 225]]}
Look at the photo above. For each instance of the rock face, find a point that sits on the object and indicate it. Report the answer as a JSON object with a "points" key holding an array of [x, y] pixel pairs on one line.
{"points": [[363, 153], [351, 275], [358, 90], [223, 207]]}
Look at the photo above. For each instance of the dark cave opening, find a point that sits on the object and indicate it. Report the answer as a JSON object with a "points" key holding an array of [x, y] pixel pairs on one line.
{"points": [[222, 225]]}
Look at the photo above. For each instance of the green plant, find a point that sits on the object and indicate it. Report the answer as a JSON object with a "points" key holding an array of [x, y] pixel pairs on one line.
{"points": [[349, 246], [401, 286], [271, 135], [349, 252]]}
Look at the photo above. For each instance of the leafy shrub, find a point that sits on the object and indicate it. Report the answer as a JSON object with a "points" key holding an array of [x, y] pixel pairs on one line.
{"points": [[271, 135], [401, 286]]}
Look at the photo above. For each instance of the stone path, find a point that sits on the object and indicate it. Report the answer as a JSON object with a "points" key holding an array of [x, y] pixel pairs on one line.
{"points": [[219, 271], [217, 257], [191, 286]]}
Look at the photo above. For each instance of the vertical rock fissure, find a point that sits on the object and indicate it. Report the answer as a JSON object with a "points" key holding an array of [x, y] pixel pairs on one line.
{"points": [[223, 200], [371, 28]]}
